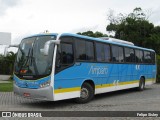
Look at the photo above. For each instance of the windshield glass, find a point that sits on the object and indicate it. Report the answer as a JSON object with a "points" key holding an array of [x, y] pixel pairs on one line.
{"points": [[31, 63]]}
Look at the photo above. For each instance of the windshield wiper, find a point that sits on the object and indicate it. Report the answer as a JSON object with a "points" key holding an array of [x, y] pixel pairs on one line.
{"points": [[26, 61], [32, 61]]}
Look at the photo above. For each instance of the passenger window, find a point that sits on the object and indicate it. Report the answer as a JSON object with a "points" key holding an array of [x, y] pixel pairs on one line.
{"points": [[89, 51], [129, 55], [139, 56], [147, 57], [84, 50], [67, 56], [121, 54], [100, 52], [153, 57], [107, 53], [80, 50], [117, 54], [103, 52]]}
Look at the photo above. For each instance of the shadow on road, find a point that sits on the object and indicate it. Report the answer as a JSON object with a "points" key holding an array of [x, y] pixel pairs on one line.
{"points": [[119, 93], [49, 104]]}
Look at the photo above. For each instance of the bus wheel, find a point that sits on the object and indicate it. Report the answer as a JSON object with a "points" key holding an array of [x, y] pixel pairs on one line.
{"points": [[141, 84], [87, 93]]}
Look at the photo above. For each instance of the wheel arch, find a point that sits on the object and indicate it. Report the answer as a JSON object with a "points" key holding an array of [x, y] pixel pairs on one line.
{"points": [[142, 76], [91, 82]]}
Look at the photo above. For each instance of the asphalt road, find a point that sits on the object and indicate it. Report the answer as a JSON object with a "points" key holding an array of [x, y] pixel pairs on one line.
{"points": [[124, 100]]}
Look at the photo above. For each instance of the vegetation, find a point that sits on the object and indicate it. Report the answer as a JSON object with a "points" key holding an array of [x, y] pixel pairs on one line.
{"points": [[6, 87], [7, 63], [158, 68], [92, 34]]}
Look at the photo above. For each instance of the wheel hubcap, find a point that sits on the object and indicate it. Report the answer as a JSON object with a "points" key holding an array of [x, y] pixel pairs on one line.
{"points": [[84, 93]]}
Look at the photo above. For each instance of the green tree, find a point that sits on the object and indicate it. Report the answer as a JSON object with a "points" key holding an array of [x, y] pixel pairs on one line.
{"points": [[10, 56], [154, 39], [7, 63], [133, 27], [92, 34]]}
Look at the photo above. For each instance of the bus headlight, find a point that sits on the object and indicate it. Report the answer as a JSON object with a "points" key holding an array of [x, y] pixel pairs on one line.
{"points": [[45, 84]]}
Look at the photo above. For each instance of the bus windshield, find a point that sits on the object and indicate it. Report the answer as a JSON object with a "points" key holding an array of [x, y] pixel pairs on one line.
{"points": [[31, 63]]}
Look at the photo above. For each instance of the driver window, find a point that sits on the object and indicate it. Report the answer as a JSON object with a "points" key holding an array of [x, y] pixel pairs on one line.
{"points": [[65, 56]]}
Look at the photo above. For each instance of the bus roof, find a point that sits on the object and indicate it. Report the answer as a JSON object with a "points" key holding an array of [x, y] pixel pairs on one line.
{"points": [[40, 34], [94, 39]]}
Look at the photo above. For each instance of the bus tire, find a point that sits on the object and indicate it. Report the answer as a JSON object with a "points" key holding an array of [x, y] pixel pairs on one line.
{"points": [[141, 84], [86, 94]]}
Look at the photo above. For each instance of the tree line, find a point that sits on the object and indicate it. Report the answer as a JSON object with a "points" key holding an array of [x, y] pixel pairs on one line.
{"points": [[7, 63]]}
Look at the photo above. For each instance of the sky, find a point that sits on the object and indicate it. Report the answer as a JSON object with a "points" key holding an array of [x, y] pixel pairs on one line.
{"points": [[26, 17]]}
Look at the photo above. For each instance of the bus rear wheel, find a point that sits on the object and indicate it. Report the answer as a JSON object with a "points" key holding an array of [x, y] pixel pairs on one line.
{"points": [[141, 84], [87, 93]]}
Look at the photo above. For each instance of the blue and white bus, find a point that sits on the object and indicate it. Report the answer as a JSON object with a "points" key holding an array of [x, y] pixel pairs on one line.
{"points": [[62, 66]]}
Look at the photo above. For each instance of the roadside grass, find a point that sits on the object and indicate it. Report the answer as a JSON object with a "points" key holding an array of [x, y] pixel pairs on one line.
{"points": [[6, 87]]}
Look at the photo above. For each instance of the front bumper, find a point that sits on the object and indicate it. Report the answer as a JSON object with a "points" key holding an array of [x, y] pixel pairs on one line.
{"points": [[41, 93]]}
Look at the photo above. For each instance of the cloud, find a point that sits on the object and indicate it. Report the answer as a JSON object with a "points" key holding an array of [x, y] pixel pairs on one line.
{"points": [[20, 36], [6, 4], [155, 16], [84, 29]]}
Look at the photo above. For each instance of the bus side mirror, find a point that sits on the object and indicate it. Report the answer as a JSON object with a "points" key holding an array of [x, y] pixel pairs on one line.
{"points": [[6, 49], [45, 50]]}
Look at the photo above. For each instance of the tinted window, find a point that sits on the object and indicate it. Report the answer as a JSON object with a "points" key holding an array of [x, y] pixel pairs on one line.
{"points": [[67, 39], [121, 55], [80, 50], [100, 52], [66, 53], [89, 51], [153, 57], [147, 57], [139, 56], [103, 52], [84, 50], [117, 54], [129, 55], [107, 53]]}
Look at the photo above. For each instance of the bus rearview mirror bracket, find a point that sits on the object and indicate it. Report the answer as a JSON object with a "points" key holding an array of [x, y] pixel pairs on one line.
{"points": [[45, 50]]}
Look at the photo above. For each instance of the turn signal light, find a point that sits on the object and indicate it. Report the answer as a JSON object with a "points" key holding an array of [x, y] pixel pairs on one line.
{"points": [[23, 71]]}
